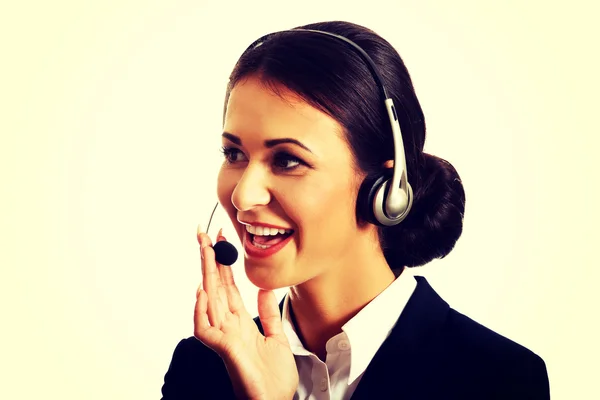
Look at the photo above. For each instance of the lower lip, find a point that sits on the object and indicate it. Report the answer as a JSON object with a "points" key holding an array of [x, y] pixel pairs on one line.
{"points": [[253, 251]]}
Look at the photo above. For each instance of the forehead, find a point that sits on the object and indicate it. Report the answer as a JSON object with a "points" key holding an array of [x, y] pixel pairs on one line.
{"points": [[255, 110]]}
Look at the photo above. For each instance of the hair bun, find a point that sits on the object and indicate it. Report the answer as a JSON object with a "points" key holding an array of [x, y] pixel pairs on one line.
{"points": [[435, 221]]}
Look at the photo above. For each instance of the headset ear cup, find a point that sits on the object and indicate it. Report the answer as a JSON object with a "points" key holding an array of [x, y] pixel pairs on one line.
{"points": [[366, 196]]}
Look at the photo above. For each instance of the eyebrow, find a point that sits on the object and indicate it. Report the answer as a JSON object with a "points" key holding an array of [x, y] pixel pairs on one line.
{"points": [[268, 143]]}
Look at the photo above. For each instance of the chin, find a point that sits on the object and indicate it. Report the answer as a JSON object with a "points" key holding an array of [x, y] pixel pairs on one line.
{"points": [[264, 277]]}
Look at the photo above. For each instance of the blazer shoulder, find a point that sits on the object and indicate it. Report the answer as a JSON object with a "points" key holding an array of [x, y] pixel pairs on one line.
{"points": [[195, 372], [515, 368], [198, 372], [468, 333]]}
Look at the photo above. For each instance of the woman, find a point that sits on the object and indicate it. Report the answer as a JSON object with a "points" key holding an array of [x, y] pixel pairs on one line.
{"points": [[306, 137]]}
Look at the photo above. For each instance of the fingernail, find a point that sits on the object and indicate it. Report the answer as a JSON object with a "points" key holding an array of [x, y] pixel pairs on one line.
{"points": [[220, 234]]}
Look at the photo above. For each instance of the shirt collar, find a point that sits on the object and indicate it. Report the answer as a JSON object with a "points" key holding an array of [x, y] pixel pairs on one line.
{"points": [[290, 332], [369, 328]]}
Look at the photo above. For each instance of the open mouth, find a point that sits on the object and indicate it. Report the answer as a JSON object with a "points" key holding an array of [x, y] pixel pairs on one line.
{"points": [[266, 241]]}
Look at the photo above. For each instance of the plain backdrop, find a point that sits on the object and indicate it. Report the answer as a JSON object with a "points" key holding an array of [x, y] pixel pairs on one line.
{"points": [[110, 116]]}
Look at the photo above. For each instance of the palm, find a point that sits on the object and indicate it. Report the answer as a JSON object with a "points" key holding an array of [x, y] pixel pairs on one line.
{"points": [[259, 365]]}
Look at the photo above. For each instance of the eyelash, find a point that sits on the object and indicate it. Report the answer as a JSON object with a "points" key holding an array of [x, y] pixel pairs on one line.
{"points": [[229, 152]]}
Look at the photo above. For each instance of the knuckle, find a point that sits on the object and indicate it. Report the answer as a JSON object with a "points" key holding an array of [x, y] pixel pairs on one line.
{"points": [[209, 251]]}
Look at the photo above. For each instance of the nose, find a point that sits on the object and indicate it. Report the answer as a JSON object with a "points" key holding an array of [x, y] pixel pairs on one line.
{"points": [[251, 190]]}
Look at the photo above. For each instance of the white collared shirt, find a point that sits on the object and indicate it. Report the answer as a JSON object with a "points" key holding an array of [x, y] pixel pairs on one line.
{"points": [[349, 352]]}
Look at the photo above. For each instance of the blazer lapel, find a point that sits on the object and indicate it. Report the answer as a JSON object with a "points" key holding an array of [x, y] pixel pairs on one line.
{"points": [[396, 371]]}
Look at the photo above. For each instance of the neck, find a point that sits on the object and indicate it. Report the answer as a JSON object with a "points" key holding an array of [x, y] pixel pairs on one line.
{"points": [[322, 305]]}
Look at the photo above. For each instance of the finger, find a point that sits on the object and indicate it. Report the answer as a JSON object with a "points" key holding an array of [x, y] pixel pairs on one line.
{"points": [[224, 273], [234, 298], [200, 312], [270, 316], [202, 329], [217, 296], [211, 281], [206, 246], [222, 290], [199, 232], [199, 238]]}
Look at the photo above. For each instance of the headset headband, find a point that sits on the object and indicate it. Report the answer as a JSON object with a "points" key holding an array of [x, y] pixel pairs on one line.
{"points": [[393, 201]]}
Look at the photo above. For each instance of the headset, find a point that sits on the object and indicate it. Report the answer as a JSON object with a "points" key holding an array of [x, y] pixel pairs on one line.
{"points": [[388, 201], [383, 201]]}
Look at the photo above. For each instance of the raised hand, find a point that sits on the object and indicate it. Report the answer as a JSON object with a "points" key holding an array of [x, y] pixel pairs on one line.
{"points": [[260, 366]]}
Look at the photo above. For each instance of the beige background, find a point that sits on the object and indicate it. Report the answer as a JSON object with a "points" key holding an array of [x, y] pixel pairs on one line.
{"points": [[110, 120]]}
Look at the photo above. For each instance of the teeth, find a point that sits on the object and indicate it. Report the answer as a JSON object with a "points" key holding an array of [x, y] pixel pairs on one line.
{"points": [[264, 231]]}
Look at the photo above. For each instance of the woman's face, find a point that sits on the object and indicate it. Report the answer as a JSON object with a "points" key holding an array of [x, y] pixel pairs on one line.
{"points": [[287, 165]]}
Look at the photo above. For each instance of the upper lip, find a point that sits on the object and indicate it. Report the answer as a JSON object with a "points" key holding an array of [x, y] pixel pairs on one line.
{"points": [[264, 224]]}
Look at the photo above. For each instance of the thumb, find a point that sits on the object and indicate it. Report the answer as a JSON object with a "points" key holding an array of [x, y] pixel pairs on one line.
{"points": [[270, 317]]}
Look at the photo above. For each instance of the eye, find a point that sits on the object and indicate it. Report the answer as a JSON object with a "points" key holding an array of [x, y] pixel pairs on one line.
{"points": [[231, 154], [286, 161], [282, 160]]}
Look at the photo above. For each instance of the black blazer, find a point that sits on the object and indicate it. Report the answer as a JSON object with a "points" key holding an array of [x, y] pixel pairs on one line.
{"points": [[433, 352]]}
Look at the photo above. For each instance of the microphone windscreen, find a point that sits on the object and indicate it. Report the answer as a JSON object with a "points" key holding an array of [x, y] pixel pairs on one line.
{"points": [[225, 253]]}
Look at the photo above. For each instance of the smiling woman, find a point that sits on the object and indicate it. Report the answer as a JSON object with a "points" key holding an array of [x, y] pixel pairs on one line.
{"points": [[301, 184], [329, 190]]}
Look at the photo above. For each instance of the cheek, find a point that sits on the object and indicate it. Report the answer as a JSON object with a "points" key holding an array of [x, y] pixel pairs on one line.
{"points": [[325, 215]]}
